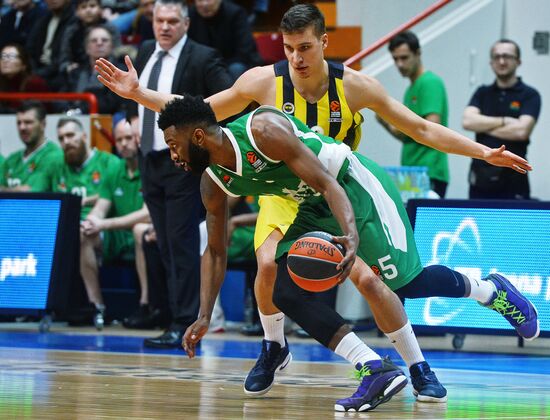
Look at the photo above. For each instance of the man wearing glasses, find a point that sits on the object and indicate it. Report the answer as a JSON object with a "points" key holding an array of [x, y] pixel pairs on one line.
{"points": [[503, 113]]}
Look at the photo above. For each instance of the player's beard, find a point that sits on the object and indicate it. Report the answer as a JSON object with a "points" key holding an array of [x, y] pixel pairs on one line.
{"points": [[75, 155], [199, 159]]}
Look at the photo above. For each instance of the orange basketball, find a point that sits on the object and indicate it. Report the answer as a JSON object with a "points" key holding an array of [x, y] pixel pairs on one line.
{"points": [[312, 261]]}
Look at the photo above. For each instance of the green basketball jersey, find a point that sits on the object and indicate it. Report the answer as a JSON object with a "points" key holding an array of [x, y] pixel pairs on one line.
{"points": [[386, 237], [86, 180], [33, 170], [122, 190], [256, 174], [426, 96]]}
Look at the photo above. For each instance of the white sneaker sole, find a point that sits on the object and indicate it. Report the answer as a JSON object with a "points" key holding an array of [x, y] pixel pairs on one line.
{"points": [[428, 399], [398, 382], [282, 366]]}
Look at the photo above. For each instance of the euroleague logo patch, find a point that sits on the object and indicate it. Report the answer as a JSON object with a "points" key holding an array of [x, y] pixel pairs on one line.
{"points": [[96, 177], [288, 108], [251, 157], [256, 162], [335, 111], [227, 180]]}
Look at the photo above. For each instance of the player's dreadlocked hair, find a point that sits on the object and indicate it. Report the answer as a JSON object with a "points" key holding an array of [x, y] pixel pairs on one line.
{"points": [[189, 110]]}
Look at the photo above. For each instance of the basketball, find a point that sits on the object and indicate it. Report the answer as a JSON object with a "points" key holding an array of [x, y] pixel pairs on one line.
{"points": [[312, 261]]}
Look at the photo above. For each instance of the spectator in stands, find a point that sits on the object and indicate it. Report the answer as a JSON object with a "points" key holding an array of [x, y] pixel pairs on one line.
{"points": [[426, 96], [29, 169], [112, 9], [121, 215], [16, 75], [74, 48], [173, 196], [99, 43], [136, 25], [224, 26], [44, 41], [502, 114], [17, 23]]}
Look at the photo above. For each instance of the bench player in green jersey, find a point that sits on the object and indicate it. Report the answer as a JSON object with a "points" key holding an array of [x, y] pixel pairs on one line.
{"points": [[338, 191], [83, 170], [115, 225], [29, 169]]}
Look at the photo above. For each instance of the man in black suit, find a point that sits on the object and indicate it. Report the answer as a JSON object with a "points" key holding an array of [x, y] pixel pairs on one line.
{"points": [[44, 41], [17, 23], [224, 26], [172, 63]]}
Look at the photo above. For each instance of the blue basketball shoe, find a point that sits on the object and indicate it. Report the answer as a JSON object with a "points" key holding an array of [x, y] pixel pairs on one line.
{"points": [[272, 358], [512, 305], [427, 387], [380, 380]]}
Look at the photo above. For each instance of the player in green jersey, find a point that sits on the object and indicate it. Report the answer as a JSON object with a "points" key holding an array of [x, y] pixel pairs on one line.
{"points": [[29, 169], [83, 172], [338, 191], [121, 215]]}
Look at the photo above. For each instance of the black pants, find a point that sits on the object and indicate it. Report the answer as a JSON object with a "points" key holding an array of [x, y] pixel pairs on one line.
{"points": [[174, 202], [321, 321], [156, 277]]}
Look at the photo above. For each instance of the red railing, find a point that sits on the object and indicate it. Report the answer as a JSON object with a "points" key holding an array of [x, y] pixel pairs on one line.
{"points": [[50, 97], [421, 16]]}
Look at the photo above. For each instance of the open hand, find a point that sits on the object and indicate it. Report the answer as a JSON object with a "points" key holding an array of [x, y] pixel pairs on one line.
{"points": [[123, 83], [504, 158]]}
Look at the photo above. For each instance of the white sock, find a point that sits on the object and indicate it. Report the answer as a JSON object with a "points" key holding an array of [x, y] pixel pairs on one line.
{"points": [[274, 327], [354, 350], [481, 290], [406, 345]]}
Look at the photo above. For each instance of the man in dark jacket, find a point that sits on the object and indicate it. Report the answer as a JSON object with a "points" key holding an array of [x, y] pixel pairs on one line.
{"points": [[44, 42], [224, 26], [17, 23], [174, 64]]}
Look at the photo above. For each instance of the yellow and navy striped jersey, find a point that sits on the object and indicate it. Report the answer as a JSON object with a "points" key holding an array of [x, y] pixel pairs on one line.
{"points": [[330, 115]]}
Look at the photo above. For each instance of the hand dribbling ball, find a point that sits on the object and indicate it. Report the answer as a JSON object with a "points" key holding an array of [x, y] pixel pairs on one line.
{"points": [[312, 261]]}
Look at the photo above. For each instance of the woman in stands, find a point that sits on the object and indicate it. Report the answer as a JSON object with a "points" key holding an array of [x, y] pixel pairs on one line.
{"points": [[16, 75]]}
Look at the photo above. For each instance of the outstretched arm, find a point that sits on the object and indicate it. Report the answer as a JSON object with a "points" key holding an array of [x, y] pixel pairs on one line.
{"points": [[126, 84], [225, 104], [437, 136], [213, 261], [363, 91], [275, 137]]}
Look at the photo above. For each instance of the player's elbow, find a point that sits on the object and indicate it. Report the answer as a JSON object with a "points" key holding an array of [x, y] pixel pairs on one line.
{"points": [[467, 123], [523, 133]]}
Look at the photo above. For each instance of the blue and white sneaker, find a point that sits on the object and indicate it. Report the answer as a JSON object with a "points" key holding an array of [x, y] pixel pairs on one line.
{"points": [[380, 380], [261, 377], [512, 305], [427, 387]]}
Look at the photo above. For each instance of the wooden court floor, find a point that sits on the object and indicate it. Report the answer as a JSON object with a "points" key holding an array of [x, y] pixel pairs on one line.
{"points": [[41, 383]]}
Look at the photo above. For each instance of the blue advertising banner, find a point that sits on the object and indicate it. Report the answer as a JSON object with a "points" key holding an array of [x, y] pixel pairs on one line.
{"points": [[28, 230], [477, 241]]}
